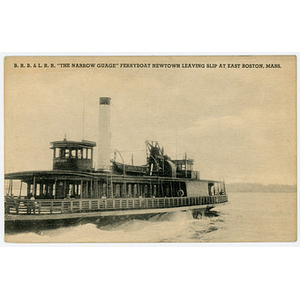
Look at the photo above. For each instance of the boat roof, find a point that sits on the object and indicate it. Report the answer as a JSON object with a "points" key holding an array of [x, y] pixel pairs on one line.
{"points": [[62, 174], [190, 161], [78, 175], [74, 144]]}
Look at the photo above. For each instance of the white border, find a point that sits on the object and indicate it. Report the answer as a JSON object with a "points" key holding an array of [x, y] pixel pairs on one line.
{"points": [[222, 272]]}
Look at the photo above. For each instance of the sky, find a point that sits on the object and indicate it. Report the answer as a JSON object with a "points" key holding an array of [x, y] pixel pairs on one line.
{"points": [[236, 123]]}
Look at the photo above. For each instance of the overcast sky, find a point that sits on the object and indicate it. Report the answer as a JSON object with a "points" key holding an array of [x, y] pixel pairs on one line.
{"points": [[238, 124]]}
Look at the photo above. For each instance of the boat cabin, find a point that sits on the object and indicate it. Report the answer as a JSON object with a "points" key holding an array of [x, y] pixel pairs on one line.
{"points": [[75, 156], [184, 169]]}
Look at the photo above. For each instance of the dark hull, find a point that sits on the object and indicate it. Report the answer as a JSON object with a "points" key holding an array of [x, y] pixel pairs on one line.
{"points": [[19, 224]]}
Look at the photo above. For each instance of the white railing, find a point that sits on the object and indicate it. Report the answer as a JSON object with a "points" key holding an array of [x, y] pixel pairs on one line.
{"points": [[50, 206]]}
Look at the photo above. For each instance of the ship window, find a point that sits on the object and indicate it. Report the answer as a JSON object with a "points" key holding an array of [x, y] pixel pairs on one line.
{"points": [[79, 153], [145, 190], [37, 192], [71, 189], [135, 190], [56, 152], [154, 192], [129, 190], [31, 188], [53, 189], [117, 190], [218, 188], [73, 153], [84, 153], [89, 153], [67, 153], [104, 189]]}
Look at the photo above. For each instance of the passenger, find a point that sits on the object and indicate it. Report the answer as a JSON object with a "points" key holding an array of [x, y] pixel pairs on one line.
{"points": [[16, 203], [10, 203], [32, 204]]}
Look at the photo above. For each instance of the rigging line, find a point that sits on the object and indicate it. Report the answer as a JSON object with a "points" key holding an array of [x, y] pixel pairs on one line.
{"points": [[120, 115], [176, 141], [83, 113]]}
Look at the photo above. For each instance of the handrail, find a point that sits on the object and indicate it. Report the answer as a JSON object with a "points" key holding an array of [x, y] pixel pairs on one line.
{"points": [[61, 206]]}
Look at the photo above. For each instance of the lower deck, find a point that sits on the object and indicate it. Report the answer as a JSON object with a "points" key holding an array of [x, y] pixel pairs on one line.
{"points": [[18, 209]]}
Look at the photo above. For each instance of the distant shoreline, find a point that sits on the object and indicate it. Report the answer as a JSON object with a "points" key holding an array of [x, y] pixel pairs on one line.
{"points": [[260, 188], [280, 192]]}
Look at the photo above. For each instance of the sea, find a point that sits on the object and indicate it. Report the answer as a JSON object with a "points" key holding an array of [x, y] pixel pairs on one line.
{"points": [[247, 217]]}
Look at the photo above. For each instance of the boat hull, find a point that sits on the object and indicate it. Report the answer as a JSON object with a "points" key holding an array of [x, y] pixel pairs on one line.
{"points": [[47, 213], [21, 223]]}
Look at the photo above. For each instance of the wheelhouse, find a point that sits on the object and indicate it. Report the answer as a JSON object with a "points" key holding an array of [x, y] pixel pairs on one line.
{"points": [[70, 155]]}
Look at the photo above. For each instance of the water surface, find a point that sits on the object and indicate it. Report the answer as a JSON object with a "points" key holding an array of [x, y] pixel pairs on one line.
{"points": [[248, 217]]}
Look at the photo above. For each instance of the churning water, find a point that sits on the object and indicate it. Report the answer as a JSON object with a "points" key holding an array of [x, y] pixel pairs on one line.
{"points": [[248, 217]]}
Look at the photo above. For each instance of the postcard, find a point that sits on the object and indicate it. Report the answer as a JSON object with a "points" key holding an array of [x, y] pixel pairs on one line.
{"points": [[150, 149]]}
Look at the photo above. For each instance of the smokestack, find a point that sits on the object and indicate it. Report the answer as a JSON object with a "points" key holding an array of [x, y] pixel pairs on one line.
{"points": [[104, 134]]}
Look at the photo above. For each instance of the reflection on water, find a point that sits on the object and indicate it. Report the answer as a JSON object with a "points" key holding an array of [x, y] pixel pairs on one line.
{"points": [[249, 217]]}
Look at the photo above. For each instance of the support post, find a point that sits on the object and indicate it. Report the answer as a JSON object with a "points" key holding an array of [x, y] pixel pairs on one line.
{"points": [[20, 190], [34, 188], [8, 190], [55, 188], [11, 187]]}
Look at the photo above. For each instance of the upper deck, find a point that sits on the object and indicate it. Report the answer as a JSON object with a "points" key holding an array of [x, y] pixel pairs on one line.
{"points": [[73, 175]]}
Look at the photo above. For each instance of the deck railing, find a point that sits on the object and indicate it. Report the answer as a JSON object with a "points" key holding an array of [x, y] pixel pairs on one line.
{"points": [[50, 206]]}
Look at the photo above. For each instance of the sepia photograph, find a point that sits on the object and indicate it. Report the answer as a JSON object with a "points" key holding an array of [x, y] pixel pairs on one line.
{"points": [[150, 149]]}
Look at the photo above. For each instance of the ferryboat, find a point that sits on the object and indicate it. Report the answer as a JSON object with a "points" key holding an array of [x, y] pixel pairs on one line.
{"points": [[79, 188]]}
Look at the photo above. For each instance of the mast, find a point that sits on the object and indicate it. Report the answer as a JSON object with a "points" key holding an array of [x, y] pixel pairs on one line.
{"points": [[185, 160], [103, 143], [83, 113]]}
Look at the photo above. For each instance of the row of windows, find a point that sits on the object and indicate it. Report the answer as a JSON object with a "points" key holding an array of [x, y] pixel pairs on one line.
{"points": [[182, 167], [88, 190], [84, 153]]}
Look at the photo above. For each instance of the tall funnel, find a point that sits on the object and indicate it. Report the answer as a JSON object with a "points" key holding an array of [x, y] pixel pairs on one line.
{"points": [[104, 134]]}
